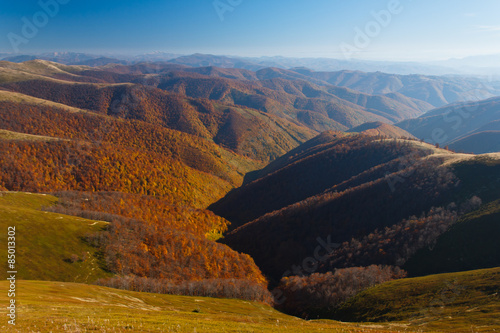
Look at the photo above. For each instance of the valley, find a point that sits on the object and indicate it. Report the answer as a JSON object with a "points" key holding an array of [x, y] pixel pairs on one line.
{"points": [[177, 197]]}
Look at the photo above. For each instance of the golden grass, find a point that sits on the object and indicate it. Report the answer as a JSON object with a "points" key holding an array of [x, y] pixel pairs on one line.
{"points": [[46, 242], [70, 307]]}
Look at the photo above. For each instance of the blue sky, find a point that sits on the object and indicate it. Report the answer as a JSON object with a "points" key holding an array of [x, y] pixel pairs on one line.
{"points": [[417, 30]]}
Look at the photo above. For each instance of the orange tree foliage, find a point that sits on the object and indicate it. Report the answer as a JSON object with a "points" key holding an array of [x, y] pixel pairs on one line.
{"points": [[106, 205], [191, 150], [167, 174], [151, 239], [65, 165], [135, 102], [155, 247], [155, 250]]}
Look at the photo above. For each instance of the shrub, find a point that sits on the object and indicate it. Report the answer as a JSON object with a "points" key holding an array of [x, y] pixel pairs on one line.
{"points": [[220, 288], [317, 295]]}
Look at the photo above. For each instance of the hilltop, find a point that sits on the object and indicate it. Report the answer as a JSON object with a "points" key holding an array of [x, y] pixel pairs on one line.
{"points": [[381, 129]]}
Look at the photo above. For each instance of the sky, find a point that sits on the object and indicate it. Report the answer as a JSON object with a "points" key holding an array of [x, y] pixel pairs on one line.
{"points": [[395, 30]]}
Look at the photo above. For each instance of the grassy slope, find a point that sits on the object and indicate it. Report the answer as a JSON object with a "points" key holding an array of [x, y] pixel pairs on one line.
{"points": [[379, 128], [455, 302], [45, 241], [14, 136], [69, 307]]}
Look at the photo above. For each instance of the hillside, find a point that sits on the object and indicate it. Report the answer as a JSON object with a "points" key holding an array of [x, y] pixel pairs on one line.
{"points": [[55, 306], [225, 182], [479, 143], [64, 165], [458, 302], [90, 127], [114, 163], [348, 189], [267, 136], [53, 245], [457, 249], [310, 173], [61, 243], [295, 154], [289, 97], [456, 122], [286, 97]]}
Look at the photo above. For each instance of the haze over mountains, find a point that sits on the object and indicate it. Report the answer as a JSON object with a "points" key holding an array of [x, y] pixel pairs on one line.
{"points": [[478, 65], [469, 127], [292, 105]]}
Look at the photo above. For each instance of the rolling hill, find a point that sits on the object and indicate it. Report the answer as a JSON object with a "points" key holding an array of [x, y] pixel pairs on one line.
{"points": [[299, 175], [457, 302], [466, 126], [56, 306], [346, 189], [50, 147], [435, 90], [479, 143], [52, 245], [317, 105], [259, 135], [273, 93]]}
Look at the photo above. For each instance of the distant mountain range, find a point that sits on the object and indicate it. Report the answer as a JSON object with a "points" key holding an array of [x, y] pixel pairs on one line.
{"points": [[436, 90], [285, 106], [74, 58], [469, 127], [270, 92], [479, 65]]}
